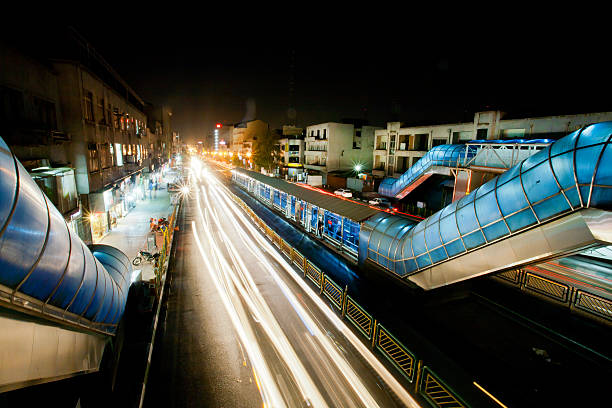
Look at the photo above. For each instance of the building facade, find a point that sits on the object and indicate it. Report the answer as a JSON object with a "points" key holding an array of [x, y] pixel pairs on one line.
{"points": [[81, 131], [338, 146], [244, 136], [398, 147], [291, 151]]}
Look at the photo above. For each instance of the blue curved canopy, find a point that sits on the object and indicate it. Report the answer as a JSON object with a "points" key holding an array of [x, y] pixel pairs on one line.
{"points": [[571, 174], [43, 259]]}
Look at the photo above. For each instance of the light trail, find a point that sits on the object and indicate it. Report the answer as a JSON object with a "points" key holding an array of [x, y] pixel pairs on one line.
{"points": [[257, 305], [269, 391], [343, 366]]}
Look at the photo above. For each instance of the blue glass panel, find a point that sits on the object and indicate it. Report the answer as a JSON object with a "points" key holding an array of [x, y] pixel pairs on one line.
{"points": [[423, 261], [455, 248], [572, 195], [521, 219], [373, 255], [508, 175], [486, 208], [563, 145], [564, 169], [418, 244], [537, 183], [604, 172], [511, 197], [495, 231], [586, 159], [601, 197], [532, 161], [438, 255], [551, 207], [474, 239], [467, 219], [410, 265], [432, 236], [314, 218], [448, 228]]}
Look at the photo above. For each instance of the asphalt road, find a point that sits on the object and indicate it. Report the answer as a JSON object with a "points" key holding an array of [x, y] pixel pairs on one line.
{"points": [[242, 329]]}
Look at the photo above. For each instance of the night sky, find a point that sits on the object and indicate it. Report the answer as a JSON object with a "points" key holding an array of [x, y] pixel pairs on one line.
{"points": [[228, 73]]}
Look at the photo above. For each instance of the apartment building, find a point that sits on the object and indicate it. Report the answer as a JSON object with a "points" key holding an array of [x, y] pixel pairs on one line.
{"points": [[245, 134], [398, 147], [80, 130], [338, 146], [291, 149]]}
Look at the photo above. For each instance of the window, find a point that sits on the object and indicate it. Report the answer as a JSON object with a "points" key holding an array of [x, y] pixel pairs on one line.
{"points": [[318, 133], [118, 151], [11, 106], [513, 133], [482, 134], [420, 141], [115, 114], [88, 112], [324, 133], [106, 158], [94, 157], [438, 142], [294, 148], [100, 112], [109, 115], [45, 113], [123, 125], [294, 160]]}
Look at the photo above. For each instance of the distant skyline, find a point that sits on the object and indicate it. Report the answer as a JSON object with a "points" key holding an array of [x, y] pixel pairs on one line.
{"points": [[207, 78]]}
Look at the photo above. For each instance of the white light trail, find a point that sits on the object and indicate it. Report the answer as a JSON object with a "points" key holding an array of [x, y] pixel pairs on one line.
{"points": [[243, 282], [366, 353]]}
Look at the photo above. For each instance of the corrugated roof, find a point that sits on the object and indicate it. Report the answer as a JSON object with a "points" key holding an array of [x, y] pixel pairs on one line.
{"points": [[346, 208]]}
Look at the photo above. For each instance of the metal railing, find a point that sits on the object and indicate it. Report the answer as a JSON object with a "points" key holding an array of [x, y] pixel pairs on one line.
{"points": [[168, 235], [436, 392], [574, 297]]}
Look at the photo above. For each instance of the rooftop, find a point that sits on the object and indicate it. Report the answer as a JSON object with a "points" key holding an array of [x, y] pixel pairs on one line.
{"points": [[345, 208]]}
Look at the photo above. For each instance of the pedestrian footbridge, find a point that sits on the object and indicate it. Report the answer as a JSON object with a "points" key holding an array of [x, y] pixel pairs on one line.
{"points": [[554, 203], [60, 300]]}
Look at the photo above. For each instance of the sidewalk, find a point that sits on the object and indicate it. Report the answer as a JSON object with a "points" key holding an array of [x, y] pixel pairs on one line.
{"points": [[130, 235]]}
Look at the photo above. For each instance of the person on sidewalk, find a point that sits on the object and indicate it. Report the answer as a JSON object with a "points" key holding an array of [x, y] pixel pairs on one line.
{"points": [[150, 188], [152, 225]]}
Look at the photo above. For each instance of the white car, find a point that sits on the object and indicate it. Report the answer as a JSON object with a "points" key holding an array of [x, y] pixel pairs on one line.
{"points": [[379, 201], [343, 192]]}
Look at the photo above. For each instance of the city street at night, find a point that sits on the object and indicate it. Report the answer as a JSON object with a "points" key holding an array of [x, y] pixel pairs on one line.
{"points": [[242, 329], [214, 213]]}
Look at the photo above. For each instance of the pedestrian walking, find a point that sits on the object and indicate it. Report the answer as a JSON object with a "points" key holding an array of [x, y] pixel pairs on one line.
{"points": [[150, 188]]}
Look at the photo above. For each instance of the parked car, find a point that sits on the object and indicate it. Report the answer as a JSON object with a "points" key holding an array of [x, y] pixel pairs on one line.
{"points": [[379, 201], [343, 192]]}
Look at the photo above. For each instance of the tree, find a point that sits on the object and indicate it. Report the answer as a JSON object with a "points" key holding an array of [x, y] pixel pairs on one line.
{"points": [[266, 151]]}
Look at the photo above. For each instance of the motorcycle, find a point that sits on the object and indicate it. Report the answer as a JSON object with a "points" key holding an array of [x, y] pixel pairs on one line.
{"points": [[149, 257]]}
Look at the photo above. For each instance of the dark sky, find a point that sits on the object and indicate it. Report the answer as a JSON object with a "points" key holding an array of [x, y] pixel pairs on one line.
{"points": [[230, 72]]}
